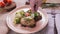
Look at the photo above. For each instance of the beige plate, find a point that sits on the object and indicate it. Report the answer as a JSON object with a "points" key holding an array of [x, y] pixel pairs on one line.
{"points": [[39, 26]]}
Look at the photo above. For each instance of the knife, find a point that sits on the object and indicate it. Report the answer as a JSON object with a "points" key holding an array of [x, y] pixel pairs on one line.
{"points": [[55, 28]]}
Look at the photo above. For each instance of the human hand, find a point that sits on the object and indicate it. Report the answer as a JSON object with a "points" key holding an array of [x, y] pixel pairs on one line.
{"points": [[35, 4]]}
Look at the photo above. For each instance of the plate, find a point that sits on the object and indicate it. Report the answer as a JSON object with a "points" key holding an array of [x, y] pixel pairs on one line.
{"points": [[39, 26]]}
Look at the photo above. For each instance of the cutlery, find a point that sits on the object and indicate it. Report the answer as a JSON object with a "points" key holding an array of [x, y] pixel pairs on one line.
{"points": [[55, 28], [54, 15]]}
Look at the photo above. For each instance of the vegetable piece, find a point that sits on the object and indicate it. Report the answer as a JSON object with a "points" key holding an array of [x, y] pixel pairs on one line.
{"points": [[37, 16], [18, 15], [17, 21], [32, 15], [27, 14], [9, 1], [22, 13], [29, 11], [5, 1], [2, 4]]}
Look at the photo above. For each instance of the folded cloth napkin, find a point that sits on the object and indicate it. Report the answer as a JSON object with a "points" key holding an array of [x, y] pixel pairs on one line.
{"points": [[3, 26]]}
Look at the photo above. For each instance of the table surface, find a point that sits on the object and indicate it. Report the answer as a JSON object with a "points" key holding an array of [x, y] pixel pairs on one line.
{"points": [[49, 29]]}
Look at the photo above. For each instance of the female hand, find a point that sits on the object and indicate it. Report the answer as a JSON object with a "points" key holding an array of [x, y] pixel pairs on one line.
{"points": [[35, 4]]}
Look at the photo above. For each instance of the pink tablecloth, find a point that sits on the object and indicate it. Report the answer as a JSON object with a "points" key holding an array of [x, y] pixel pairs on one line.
{"points": [[49, 29]]}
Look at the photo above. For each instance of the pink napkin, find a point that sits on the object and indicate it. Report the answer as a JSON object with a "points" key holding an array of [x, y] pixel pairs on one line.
{"points": [[3, 26]]}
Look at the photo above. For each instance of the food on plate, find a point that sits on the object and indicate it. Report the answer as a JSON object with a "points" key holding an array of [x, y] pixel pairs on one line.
{"points": [[28, 22], [17, 20], [27, 19], [18, 16], [6, 6], [7, 1], [37, 16]]}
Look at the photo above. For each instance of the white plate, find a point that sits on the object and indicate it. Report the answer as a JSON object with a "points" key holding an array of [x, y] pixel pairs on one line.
{"points": [[39, 26]]}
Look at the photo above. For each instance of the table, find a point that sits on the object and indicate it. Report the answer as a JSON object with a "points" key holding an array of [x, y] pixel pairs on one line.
{"points": [[53, 1], [49, 29]]}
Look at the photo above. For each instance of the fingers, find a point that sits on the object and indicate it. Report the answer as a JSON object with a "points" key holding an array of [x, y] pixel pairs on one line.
{"points": [[39, 3], [35, 7], [32, 3], [35, 4]]}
